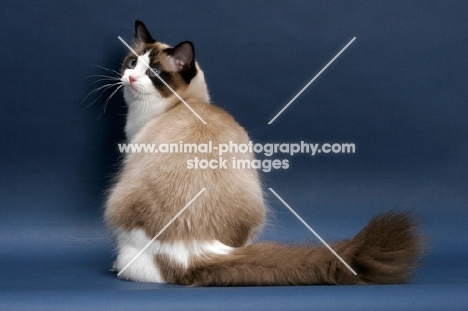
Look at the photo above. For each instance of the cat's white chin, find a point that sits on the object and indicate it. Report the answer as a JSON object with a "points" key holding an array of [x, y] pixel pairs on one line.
{"points": [[142, 107]]}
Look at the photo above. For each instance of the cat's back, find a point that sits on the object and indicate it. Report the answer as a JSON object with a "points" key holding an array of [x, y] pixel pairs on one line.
{"points": [[180, 124], [164, 181]]}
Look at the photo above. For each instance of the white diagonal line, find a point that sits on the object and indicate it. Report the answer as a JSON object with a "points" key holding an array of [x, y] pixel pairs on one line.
{"points": [[310, 82], [313, 231], [164, 82], [160, 232]]}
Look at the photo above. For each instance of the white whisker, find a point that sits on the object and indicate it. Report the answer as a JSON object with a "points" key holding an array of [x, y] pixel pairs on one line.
{"points": [[105, 77], [144, 107], [110, 70], [113, 93], [111, 80], [144, 104], [138, 97], [103, 88]]}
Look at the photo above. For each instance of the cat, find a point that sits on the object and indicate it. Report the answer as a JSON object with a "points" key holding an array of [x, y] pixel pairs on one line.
{"points": [[211, 242]]}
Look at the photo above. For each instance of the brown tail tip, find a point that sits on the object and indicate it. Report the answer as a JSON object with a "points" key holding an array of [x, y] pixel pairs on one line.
{"points": [[388, 249]]}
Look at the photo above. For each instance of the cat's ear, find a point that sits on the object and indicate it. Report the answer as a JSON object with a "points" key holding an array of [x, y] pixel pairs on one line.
{"points": [[142, 34], [183, 56]]}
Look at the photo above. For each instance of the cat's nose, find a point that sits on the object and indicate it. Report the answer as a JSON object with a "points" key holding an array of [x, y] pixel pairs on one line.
{"points": [[132, 79]]}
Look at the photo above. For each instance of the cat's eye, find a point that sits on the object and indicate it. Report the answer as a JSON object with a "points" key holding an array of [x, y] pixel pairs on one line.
{"points": [[132, 62], [151, 73]]}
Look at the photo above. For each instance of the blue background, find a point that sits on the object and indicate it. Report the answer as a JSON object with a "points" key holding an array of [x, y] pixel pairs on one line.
{"points": [[399, 93]]}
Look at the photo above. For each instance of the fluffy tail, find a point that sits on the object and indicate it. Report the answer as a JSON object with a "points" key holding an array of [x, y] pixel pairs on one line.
{"points": [[384, 252]]}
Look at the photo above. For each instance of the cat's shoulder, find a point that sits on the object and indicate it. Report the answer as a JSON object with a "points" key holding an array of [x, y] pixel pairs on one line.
{"points": [[197, 111], [182, 121]]}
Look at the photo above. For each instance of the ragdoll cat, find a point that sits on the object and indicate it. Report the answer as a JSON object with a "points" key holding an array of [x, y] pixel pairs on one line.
{"points": [[211, 242]]}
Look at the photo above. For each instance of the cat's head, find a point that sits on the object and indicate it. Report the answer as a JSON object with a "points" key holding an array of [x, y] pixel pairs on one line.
{"points": [[145, 93]]}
